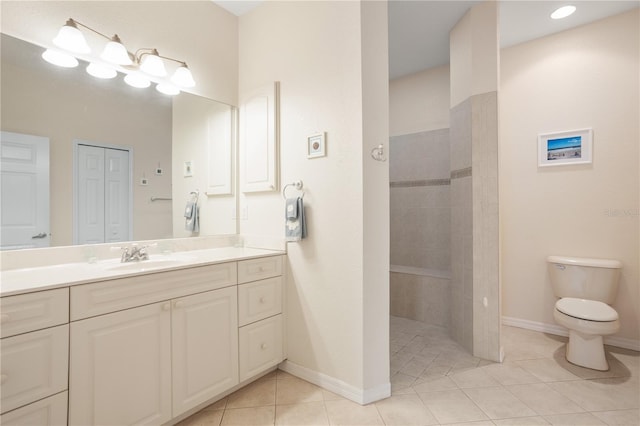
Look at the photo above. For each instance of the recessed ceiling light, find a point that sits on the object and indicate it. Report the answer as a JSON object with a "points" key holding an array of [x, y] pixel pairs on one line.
{"points": [[563, 12]]}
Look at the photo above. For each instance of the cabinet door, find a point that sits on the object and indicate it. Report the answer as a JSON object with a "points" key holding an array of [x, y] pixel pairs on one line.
{"points": [[205, 347], [50, 411], [260, 346], [34, 366], [120, 370]]}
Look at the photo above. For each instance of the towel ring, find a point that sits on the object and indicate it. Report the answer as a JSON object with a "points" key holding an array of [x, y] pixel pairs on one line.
{"points": [[297, 184]]}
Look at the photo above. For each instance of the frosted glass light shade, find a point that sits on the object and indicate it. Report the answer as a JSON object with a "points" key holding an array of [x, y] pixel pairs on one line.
{"points": [[100, 71], [70, 38], [182, 77], [60, 59], [137, 80], [167, 89], [153, 65], [115, 52]]}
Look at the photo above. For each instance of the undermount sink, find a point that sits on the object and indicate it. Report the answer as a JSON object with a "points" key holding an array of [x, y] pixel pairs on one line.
{"points": [[145, 265]]}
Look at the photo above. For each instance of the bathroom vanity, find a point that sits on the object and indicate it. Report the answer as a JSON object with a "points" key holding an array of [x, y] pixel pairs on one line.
{"points": [[149, 342]]}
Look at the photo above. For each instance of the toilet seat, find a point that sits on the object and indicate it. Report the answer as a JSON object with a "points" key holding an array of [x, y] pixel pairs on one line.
{"points": [[588, 310]]}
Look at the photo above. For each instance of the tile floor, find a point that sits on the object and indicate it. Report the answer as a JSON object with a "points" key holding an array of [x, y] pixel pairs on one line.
{"points": [[434, 381]]}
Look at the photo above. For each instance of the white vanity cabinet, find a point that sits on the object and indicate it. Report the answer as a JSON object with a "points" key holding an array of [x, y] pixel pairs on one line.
{"points": [[260, 315], [34, 357], [148, 364]]}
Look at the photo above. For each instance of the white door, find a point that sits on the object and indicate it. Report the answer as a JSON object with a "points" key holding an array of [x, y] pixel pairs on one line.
{"points": [[205, 347], [24, 191], [120, 368], [103, 195]]}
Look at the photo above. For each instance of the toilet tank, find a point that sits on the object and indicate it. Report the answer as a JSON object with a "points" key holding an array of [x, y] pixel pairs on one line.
{"points": [[592, 279]]}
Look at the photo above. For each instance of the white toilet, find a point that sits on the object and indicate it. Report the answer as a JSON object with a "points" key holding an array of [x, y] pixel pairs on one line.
{"points": [[586, 288]]}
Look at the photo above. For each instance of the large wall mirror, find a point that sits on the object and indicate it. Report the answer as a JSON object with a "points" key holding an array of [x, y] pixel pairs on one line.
{"points": [[166, 149]]}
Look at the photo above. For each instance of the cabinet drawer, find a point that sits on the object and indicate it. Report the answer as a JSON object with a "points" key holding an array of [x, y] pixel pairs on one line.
{"points": [[260, 346], [33, 366], [50, 411], [259, 300], [258, 269], [115, 295], [33, 311]]}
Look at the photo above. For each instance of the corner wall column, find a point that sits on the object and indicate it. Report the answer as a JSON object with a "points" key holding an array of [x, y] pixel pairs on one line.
{"points": [[475, 284]]}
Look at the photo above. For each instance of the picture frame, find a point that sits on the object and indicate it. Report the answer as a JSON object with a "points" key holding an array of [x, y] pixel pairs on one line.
{"points": [[570, 147], [316, 145]]}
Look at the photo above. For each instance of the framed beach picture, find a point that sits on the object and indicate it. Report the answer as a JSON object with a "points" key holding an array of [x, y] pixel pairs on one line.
{"points": [[565, 148]]}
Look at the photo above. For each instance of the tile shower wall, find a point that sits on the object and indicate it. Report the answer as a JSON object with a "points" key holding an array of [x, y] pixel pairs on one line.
{"points": [[420, 225]]}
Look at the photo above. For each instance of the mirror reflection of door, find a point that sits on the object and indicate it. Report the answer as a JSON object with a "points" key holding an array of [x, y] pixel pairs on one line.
{"points": [[103, 194], [24, 191]]}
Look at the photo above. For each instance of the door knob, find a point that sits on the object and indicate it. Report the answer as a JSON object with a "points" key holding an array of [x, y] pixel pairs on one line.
{"points": [[40, 235]]}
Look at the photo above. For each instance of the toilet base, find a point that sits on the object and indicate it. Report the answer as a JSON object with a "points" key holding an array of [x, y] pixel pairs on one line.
{"points": [[586, 350]]}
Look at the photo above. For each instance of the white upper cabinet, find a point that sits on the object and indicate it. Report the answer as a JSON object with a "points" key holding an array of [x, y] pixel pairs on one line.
{"points": [[259, 138]]}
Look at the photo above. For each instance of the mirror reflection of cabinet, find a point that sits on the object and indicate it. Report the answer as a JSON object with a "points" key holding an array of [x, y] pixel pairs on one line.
{"points": [[259, 134]]}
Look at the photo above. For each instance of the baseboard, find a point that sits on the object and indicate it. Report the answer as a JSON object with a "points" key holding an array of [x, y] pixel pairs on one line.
{"points": [[619, 342], [361, 396]]}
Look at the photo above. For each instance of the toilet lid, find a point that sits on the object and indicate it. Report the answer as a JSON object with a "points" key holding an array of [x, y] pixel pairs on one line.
{"points": [[590, 310]]}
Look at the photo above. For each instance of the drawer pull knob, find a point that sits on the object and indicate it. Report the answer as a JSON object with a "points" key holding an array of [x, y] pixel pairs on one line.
{"points": [[4, 318], [263, 346], [262, 300], [178, 304], [166, 307], [3, 378]]}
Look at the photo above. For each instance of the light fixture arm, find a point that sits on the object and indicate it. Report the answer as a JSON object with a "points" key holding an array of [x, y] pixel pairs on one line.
{"points": [[153, 51], [73, 23]]}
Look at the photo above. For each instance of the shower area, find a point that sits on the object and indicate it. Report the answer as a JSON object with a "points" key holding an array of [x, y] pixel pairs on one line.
{"points": [[420, 200]]}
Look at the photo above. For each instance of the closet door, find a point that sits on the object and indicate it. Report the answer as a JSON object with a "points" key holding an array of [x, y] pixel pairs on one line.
{"points": [[103, 195], [91, 201]]}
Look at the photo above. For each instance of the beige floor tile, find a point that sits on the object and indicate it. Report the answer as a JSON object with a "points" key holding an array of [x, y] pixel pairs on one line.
{"points": [[480, 423], [433, 384], [330, 396], [578, 419], [619, 417], [543, 399], [499, 403], [257, 416], [401, 381], [405, 410], [522, 421], [475, 378], [546, 370], [594, 396], [257, 394], [310, 413], [452, 406], [218, 405], [413, 368], [296, 391], [204, 418], [349, 413], [509, 374], [284, 375], [616, 368]]}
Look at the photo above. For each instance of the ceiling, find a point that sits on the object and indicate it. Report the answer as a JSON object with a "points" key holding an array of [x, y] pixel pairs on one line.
{"points": [[419, 29]]}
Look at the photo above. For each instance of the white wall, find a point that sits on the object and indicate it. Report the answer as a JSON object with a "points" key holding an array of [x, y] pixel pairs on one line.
{"points": [[419, 102], [315, 50], [585, 77]]}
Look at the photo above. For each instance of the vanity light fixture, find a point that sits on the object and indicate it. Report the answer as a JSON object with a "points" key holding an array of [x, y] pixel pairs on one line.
{"points": [[115, 52], [141, 68], [101, 71], [563, 12], [60, 59], [70, 38], [151, 63], [167, 89], [137, 80]]}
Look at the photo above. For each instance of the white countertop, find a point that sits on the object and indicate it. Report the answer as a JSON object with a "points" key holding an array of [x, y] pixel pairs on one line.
{"points": [[17, 281]]}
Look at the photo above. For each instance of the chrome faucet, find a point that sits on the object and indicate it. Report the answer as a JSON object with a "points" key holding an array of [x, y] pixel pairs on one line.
{"points": [[134, 253]]}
